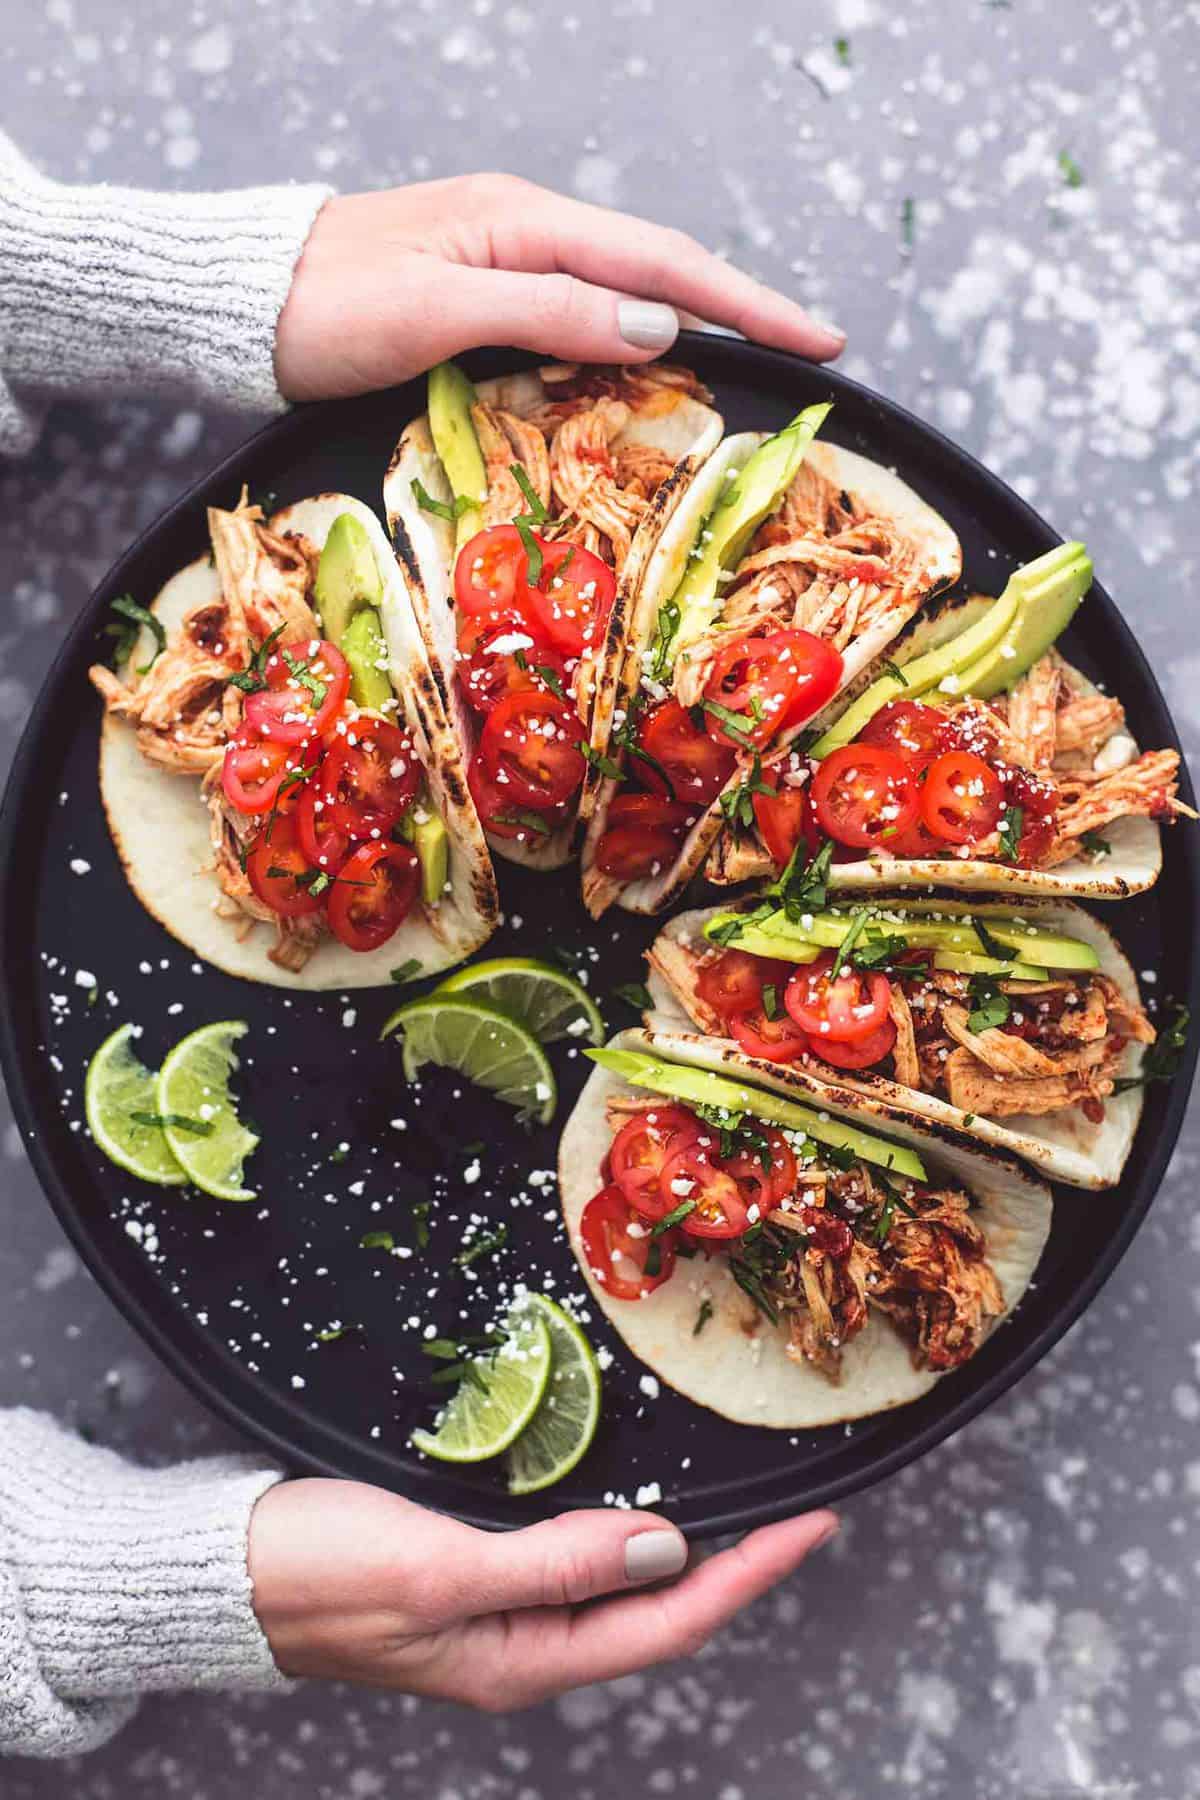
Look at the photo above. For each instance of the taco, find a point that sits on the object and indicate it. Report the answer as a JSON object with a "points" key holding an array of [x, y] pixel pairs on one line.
{"points": [[786, 570], [857, 1253], [522, 513], [1022, 1025], [976, 757], [282, 784]]}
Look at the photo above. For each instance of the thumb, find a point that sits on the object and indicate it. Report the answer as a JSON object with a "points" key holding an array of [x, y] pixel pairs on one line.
{"points": [[572, 1558], [556, 315]]}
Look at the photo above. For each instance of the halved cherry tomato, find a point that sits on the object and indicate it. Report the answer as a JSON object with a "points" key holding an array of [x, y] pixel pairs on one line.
{"points": [[771, 680], [765, 1187], [618, 1247], [373, 893], [531, 745], [640, 1151], [507, 658], [733, 981], [642, 835], [502, 815], [489, 572], [864, 795], [962, 798], [775, 1040], [307, 684], [370, 776], [254, 769], [697, 766], [280, 873], [783, 817], [860, 1055], [915, 840], [841, 1011], [572, 599], [692, 1173], [916, 731], [324, 846]]}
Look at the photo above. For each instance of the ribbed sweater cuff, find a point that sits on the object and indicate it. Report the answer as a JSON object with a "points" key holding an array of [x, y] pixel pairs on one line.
{"points": [[130, 1580], [109, 287]]}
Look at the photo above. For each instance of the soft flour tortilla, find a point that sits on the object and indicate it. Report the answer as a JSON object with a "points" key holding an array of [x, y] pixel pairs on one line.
{"points": [[160, 823], [1063, 1146], [738, 1365], [885, 495], [1135, 842], [424, 545]]}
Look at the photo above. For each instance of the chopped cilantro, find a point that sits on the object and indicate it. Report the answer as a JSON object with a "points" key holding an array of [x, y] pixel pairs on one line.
{"points": [[177, 1122], [989, 1007], [702, 1317], [676, 1215], [453, 510], [1009, 832], [1094, 844], [1163, 1057], [487, 1245], [406, 971], [635, 994], [537, 514], [126, 628], [377, 1240]]}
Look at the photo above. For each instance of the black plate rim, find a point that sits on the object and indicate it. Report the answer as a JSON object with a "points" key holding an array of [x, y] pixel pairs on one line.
{"points": [[708, 353]]}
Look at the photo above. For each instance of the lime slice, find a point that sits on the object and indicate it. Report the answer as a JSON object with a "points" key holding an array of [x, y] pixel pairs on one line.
{"points": [[493, 1403], [565, 1422], [546, 1000], [193, 1089], [481, 1043], [117, 1087]]}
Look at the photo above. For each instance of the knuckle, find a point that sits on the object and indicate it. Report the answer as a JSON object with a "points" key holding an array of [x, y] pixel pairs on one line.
{"points": [[567, 1578], [495, 189], [558, 301], [683, 245]]}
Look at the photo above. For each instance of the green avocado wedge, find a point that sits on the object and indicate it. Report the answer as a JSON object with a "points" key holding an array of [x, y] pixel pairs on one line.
{"points": [[938, 928], [1036, 606], [700, 1087], [451, 397], [365, 649], [348, 576]]}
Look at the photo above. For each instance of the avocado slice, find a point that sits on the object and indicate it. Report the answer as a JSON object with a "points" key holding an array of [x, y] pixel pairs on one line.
{"points": [[451, 397], [1020, 626], [777, 935], [432, 845], [364, 647], [757, 942], [757, 490], [701, 1087], [348, 576]]}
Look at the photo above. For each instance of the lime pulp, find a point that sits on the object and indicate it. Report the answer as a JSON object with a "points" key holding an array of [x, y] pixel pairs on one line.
{"points": [[564, 1424], [118, 1087], [200, 1119], [481, 1043], [497, 1396]]}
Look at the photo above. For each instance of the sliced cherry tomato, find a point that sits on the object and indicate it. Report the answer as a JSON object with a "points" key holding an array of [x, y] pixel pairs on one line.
{"points": [[784, 816], [765, 1187], [502, 815], [642, 836], [324, 846], [916, 731], [255, 768], [489, 572], [771, 680], [962, 798], [841, 1011], [572, 599], [307, 684], [508, 659], [618, 1247], [370, 777], [373, 894], [280, 873], [915, 840], [775, 1040], [860, 1055], [531, 745], [696, 765], [864, 795], [640, 1151], [693, 1173], [733, 981]]}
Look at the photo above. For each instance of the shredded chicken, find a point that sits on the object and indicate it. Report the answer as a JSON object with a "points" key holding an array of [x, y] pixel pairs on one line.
{"points": [[504, 440], [904, 1051], [585, 476], [1147, 786], [1032, 716], [834, 1310], [231, 833], [932, 1278]]}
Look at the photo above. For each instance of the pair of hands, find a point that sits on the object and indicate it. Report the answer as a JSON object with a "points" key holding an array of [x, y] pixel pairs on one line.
{"points": [[350, 1582]]}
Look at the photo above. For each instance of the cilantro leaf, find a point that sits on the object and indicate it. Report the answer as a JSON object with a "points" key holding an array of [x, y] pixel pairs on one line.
{"points": [[1162, 1058], [989, 1007], [453, 511]]}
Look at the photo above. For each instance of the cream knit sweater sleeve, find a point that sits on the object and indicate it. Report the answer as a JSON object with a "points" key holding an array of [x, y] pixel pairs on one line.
{"points": [[113, 288], [117, 1581]]}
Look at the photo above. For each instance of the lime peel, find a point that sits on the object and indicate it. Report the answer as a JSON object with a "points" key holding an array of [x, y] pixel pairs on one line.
{"points": [[484, 1416], [117, 1086], [561, 1430], [545, 999], [482, 1044], [194, 1083]]}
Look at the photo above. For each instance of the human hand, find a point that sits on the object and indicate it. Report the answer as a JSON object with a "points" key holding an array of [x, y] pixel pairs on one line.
{"points": [[393, 282], [356, 1584]]}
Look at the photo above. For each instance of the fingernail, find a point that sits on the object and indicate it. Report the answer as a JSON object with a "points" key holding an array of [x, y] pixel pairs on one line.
{"points": [[653, 1555], [831, 1530], [647, 325], [833, 331]]}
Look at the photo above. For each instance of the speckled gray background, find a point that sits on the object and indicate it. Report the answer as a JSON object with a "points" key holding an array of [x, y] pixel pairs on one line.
{"points": [[1017, 1615]]}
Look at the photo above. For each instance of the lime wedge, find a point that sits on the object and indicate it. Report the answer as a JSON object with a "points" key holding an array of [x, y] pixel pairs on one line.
{"points": [[546, 1000], [565, 1422], [199, 1114], [497, 1398], [116, 1088], [481, 1043]]}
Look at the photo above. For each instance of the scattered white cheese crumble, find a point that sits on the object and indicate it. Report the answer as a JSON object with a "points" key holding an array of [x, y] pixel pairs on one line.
{"points": [[648, 1384], [648, 1495], [79, 866]]}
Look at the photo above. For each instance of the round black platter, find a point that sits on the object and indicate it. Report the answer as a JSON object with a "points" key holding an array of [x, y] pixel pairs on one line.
{"points": [[233, 1297]]}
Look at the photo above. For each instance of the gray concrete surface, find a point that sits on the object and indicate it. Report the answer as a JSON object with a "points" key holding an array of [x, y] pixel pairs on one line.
{"points": [[1016, 1615]]}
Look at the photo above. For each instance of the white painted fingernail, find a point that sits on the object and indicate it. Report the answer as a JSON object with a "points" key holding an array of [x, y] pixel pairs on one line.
{"points": [[833, 331], [653, 1555], [647, 325]]}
